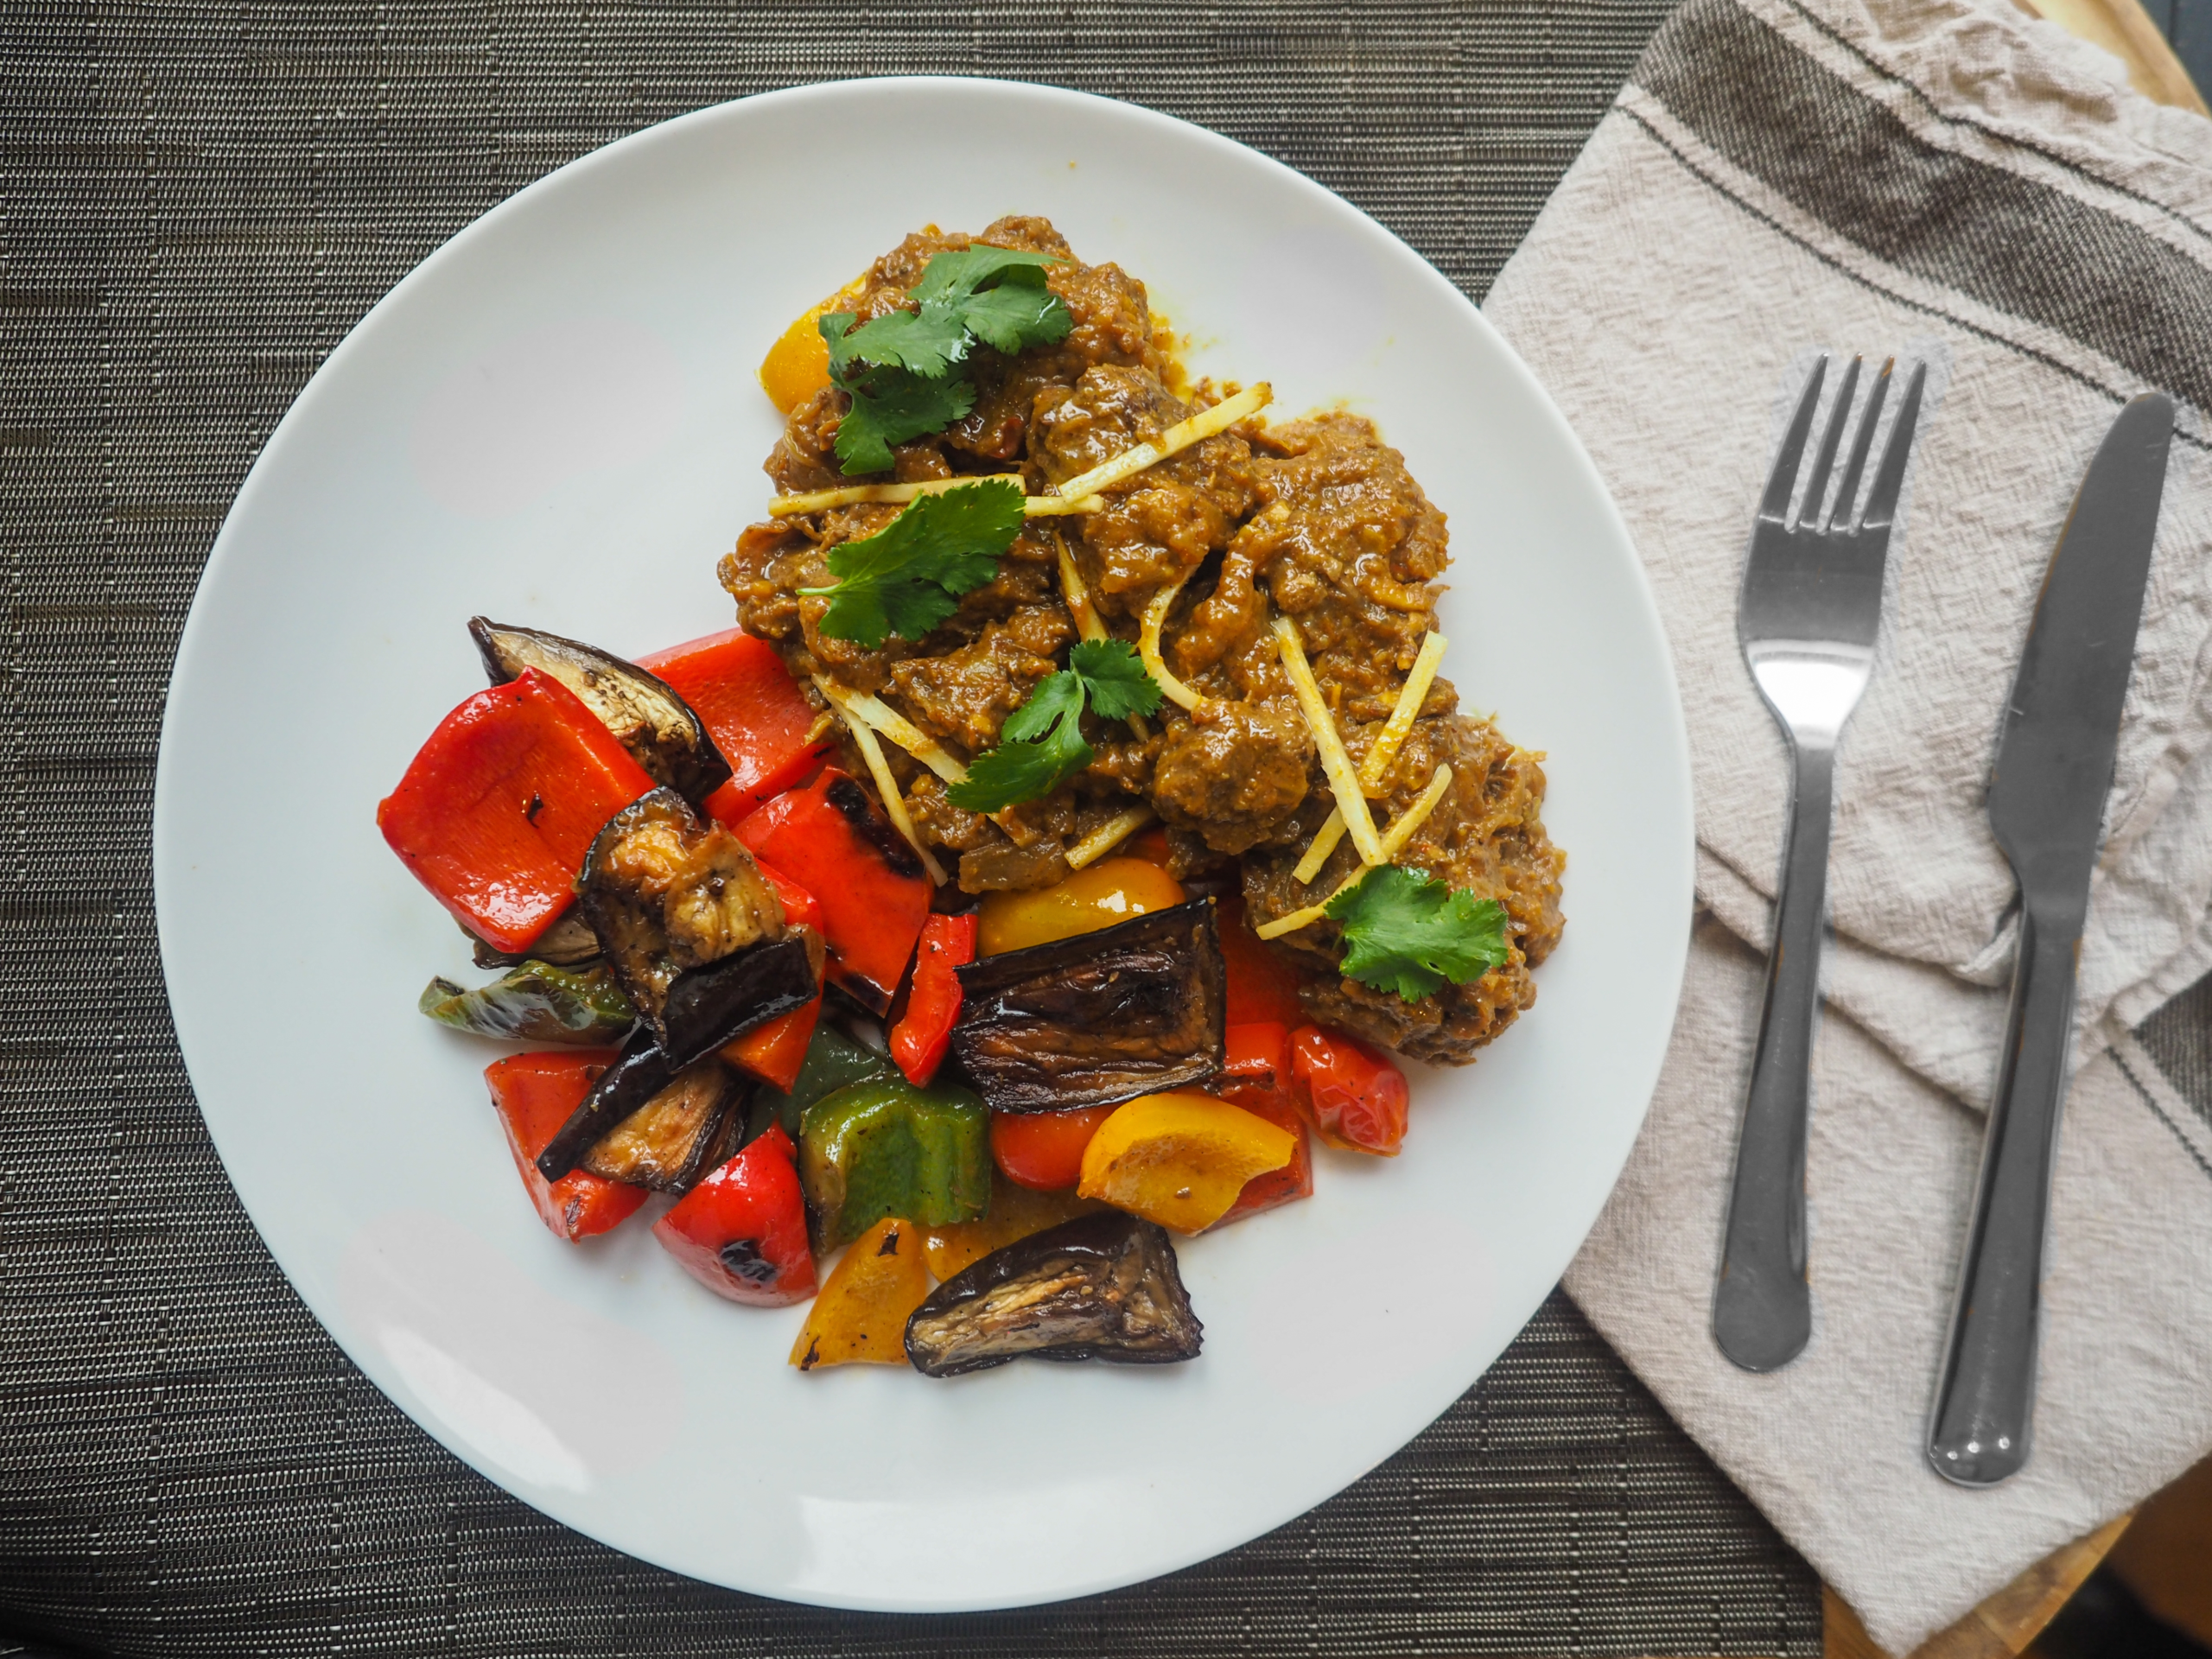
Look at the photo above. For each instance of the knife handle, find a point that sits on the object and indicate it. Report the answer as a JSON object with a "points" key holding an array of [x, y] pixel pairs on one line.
{"points": [[1985, 1397], [1762, 1307]]}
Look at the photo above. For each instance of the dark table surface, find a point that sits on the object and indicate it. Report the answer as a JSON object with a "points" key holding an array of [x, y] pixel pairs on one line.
{"points": [[197, 201]]}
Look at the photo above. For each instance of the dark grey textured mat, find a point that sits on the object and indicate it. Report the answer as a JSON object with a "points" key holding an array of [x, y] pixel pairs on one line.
{"points": [[199, 201]]}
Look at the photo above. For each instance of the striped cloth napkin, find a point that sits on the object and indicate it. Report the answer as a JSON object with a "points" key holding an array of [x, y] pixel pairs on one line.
{"points": [[1968, 186]]}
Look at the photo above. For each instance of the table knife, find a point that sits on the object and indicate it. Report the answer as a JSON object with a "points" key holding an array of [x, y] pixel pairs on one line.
{"points": [[2055, 754]]}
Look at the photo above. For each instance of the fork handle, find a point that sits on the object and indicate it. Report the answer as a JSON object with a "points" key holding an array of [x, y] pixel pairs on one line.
{"points": [[1977, 1432], [1762, 1307]]}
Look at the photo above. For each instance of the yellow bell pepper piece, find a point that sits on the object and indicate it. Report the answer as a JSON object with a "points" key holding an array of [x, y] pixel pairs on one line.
{"points": [[798, 365], [1016, 1212], [1180, 1159], [1112, 890], [861, 1316]]}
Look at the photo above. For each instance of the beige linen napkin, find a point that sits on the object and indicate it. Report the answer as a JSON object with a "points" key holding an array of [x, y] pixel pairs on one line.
{"points": [[1968, 187]]}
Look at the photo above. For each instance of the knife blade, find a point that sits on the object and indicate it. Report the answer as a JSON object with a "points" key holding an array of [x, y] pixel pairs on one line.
{"points": [[2055, 757]]}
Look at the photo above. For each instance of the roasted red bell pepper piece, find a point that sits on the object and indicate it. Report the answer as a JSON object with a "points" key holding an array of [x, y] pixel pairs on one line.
{"points": [[873, 895], [1262, 986], [925, 1031], [535, 1094], [741, 1232], [498, 809], [1257, 1077], [1355, 1096], [774, 1052], [1043, 1150], [751, 707]]}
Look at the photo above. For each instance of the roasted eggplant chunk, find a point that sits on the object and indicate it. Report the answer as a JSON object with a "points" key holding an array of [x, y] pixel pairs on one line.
{"points": [[665, 1124], [1101, 1286], [536, 1002], [656, 725], [694, 932], [570, 942], [1097, 1019], [684, 1130], [640, 1071]]}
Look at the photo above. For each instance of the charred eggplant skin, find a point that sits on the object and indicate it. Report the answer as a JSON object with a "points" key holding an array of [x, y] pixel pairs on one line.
{"points": [[1101, 1286], [710, 1005], [640, 1071], [644, 711], [1097, 1019]]}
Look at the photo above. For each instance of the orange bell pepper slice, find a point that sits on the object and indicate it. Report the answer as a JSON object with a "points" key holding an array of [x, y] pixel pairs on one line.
{"points": [[798, 365], [860, 1318], [1180, 1159]]}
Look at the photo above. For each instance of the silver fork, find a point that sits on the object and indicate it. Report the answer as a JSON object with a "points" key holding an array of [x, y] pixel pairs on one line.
{"points": [[1812, 601]]}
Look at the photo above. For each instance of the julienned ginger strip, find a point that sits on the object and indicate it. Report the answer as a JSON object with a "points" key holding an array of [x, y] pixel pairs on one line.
{"points": [[853, 495], [1393, 844], [1385, 749], [1344, 777], [1178, 437]]}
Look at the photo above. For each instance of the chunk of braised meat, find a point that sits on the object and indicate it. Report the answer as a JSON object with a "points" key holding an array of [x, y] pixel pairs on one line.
{"points": [[1161, 525], [1345, 541], [1235, 772], [1485, 837], [966, 694], [1002, 867]]}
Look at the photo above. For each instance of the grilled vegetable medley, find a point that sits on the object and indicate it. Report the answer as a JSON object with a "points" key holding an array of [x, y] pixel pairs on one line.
{"points": [[1069, 832]]}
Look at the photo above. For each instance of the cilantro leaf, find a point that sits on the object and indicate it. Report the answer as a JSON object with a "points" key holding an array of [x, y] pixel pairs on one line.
{"points": [[907, 577], [926, 342], [890, 406], [1113, 679], [1013, 773], [1041, 747], [1409, 933], [899, 369], [958, 274], [1013, 316], [1055, 695]]}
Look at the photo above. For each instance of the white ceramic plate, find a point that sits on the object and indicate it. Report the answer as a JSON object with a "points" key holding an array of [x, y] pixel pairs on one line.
{"points": [[555, 421]]}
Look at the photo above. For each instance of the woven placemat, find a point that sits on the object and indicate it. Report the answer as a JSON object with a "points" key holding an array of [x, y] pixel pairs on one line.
{"points": [[200, 200]]}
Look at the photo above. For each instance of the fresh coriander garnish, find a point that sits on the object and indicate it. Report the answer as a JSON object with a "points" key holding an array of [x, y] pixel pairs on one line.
{"points": [[899, 369], [909, 575], [1409, 932], [1041, 746]]}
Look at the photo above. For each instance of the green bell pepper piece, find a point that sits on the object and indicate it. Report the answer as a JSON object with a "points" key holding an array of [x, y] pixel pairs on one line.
{"points": [[884, 1148], [536, 1002], [833, 1059]]}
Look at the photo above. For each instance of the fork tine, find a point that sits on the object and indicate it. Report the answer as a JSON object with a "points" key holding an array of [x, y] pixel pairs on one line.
{"points": [[1816, 486], [1846, 498], [1881, 500], [1782, 480]]}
